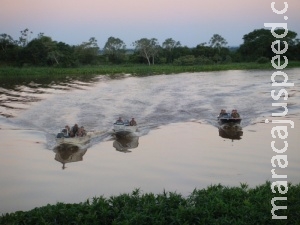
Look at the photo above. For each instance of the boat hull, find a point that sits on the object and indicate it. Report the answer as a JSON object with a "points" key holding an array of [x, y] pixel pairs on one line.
{"points": [[229, 120], [79, 141], [226, 118], [74, 141], [122, 129]]}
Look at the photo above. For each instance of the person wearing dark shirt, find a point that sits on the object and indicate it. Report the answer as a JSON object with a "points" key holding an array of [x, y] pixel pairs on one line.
{"points": [[132, 122], [235, 114]]}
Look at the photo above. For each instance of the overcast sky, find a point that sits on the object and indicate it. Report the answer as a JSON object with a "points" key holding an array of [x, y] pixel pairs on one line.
{"points": [[189, 21]]}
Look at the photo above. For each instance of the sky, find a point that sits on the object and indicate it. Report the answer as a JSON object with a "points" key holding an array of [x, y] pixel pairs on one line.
{"points": [[191, 22]]}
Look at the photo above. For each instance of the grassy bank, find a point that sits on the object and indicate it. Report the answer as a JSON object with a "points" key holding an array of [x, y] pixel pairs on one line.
{"points": [[42, 73], [214, 205]]}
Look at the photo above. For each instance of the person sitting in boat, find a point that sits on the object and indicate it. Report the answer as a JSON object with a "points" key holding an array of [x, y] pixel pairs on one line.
{"points": [[81, 132], [235, 114], [74, 130], [67, 128], [120, 120], [223, 113], [132, 122], [66, 131]]}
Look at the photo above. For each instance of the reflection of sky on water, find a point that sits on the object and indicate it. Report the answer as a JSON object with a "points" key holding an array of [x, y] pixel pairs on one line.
{"points": [[178, 157]]}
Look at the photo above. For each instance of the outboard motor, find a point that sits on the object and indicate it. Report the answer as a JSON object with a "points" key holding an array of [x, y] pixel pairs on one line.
{"points": [[60, 135], [63, 134]]}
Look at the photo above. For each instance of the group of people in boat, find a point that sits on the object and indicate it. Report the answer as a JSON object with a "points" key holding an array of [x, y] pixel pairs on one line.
{"points": [[234, 113], [75, 131], [132, 122]]}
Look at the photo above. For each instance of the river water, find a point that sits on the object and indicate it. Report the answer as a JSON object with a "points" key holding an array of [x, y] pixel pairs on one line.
{"points": [[178, 145]]}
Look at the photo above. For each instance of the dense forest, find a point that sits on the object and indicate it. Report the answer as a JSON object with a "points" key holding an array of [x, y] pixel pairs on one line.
{"points": [[43, 51]]}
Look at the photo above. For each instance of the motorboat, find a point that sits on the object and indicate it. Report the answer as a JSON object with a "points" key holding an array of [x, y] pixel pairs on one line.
{"points": [[227, 118], [123, 128], [63, 137]]}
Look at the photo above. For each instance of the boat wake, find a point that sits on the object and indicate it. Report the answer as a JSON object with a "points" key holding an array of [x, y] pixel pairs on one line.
{"points": [[153, 101]]}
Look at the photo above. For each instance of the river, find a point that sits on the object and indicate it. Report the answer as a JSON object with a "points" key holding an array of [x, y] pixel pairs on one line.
{"points": [[178, 145]]}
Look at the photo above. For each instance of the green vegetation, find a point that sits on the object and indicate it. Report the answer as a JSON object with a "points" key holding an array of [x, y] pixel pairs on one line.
{"points": [[45, 52], [15, 75], [45, 60], [215, 205], [28, 74]]}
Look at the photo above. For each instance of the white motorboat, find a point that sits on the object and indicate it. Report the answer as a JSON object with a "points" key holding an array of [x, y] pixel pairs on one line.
{"points": [[123, 128]]}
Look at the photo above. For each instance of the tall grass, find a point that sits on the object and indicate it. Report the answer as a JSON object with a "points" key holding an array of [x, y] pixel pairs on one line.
{"points": [[15, 73], [216, 204], [11, 76]]}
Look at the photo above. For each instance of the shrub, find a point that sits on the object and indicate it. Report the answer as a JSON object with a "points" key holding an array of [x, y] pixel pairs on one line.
{"points": [[187, 60], [217, 204], [203, 60], [263, 60]]}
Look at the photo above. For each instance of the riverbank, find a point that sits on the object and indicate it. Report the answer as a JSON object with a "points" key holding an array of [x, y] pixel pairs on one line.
{"points": [[216, 204], [27, 74]]}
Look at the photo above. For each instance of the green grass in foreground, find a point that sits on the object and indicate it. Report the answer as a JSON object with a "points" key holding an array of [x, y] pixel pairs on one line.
{"points": [[51, 73], [216, 204]]}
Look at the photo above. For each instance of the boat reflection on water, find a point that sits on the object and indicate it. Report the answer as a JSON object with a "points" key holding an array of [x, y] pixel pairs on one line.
{"points": [[123, 143], [231, 131], [67, 153]]}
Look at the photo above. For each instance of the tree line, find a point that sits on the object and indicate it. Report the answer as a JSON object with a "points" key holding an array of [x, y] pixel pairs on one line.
{"points": [[44, 51]]}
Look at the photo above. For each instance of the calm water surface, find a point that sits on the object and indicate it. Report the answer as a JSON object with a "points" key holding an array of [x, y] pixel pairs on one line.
{"points": [[178, 146]]}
